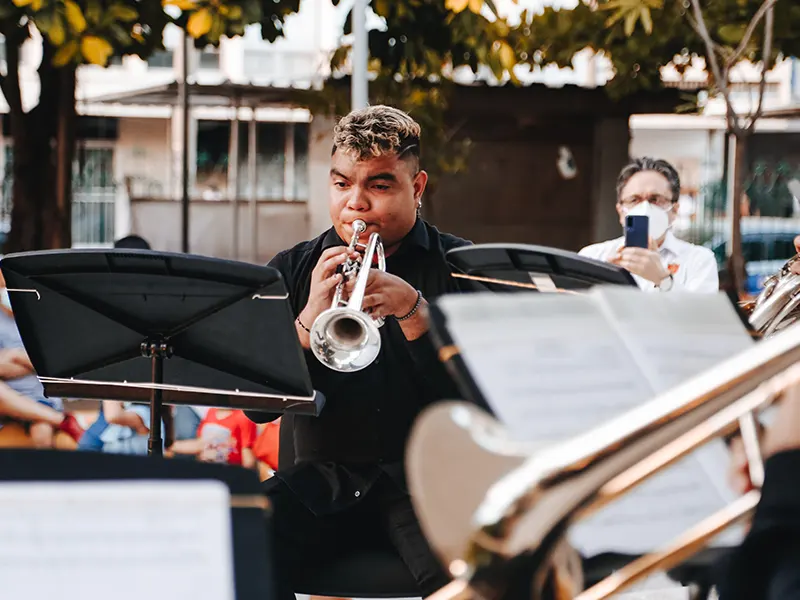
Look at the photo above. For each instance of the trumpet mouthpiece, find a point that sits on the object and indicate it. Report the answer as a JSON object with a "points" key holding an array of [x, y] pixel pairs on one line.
{"points": [[359, 226]]}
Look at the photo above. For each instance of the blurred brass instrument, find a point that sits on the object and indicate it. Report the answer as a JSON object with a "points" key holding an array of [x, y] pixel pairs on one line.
{"points": [[345, 338], [778, 305], [492, 507]]}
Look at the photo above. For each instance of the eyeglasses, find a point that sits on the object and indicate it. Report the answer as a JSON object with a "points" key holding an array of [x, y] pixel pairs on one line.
{"points": [[656, 199]]}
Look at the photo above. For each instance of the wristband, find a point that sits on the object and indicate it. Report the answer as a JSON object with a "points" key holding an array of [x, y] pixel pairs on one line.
{"points": [[301, 325], [413, 311]]}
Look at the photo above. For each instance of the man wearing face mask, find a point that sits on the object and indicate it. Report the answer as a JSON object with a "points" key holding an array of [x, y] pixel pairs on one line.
{"points": [[651, 187]]}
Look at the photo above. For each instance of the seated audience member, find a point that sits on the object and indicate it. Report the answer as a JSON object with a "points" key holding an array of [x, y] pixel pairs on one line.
{"points": [[224, 436], [652, 187], [128, 428], [22, 395], [91, 438], [266, 448]]}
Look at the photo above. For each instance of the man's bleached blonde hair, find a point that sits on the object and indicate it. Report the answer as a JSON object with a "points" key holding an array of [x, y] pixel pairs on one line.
{"points": [[378, 131]]}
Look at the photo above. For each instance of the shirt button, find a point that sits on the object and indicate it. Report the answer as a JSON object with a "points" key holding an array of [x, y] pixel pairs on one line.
{"points": [[358, 494]]}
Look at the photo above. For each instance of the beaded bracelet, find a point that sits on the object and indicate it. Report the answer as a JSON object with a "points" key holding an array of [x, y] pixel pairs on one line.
{"points": [[413, 310], [303, 326]]}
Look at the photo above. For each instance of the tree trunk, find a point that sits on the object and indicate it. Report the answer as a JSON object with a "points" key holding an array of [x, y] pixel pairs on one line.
{"points": [[42, 138], [736, 264]]}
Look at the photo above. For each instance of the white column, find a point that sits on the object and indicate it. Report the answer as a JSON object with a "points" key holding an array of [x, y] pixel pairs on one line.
{"points": [[360, 56], [289, 164], [233, 182], [252, 177], [320, 136]]}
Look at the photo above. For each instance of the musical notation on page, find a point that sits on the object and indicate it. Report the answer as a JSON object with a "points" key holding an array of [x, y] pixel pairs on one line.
{"points": [[552, 367], [126, 540]]}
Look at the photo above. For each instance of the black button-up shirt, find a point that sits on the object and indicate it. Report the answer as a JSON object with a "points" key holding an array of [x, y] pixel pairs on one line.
{"points": [[362, 430]]}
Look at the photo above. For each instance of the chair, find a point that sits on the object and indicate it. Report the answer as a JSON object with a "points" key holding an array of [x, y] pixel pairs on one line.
{"points": [[373, 572]]}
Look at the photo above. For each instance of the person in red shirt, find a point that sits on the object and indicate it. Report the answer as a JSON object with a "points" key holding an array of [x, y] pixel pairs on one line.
{"points": [[266, 448], [224, 436]]}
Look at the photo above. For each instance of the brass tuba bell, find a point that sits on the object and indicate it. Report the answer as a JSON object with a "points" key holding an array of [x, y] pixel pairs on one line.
{"points": [[345, 338]]}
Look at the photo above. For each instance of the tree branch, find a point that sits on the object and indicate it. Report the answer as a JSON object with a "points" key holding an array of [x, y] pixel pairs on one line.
{"points": [[720, 76], [751, 28], [769, 23]]}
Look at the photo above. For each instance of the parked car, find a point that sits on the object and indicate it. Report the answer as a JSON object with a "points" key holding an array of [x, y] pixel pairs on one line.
{"points": [[767, 243]]}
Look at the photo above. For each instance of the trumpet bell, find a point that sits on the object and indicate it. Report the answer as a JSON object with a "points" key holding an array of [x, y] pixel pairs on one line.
{"points": [[345, 340]]}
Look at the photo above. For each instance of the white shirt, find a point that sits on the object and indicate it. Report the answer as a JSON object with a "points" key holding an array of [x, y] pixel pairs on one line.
{"points": [[693, 268]]}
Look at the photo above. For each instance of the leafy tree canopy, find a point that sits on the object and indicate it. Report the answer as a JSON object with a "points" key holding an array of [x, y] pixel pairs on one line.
{"points": [[640, 37], [92, 31]]}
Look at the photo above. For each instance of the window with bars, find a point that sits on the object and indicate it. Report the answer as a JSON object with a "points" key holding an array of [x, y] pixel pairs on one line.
{"points": [[281, 160]]}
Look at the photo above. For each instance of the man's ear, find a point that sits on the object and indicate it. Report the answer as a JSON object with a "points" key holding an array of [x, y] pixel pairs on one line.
{"points": [[420, 183]]}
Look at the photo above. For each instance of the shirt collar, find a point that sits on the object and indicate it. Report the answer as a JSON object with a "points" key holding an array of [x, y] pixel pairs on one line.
{"points": [[670, 244], [417, 237]]}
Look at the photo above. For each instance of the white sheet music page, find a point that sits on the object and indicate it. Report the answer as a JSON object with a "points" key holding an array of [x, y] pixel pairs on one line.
{"points": [[673, 337], [550, 366], [137, 540]]}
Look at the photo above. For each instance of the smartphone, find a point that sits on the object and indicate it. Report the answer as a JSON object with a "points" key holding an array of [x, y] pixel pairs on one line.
{"points": [[636, 231]]}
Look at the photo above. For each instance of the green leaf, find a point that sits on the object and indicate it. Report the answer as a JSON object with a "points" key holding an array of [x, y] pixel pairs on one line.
{"points": [[647, 19], [122, 36], [66, 53], [199, 23], [120, 12], [57, 33], [630, 23], [94, 11], [75, 18], [96, 50]]}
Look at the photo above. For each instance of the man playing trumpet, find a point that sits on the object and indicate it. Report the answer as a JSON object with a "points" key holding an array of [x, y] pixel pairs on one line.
{"points": [[347, 487]]}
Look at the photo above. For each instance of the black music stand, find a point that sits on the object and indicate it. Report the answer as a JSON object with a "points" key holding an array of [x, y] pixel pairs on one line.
{"points": [[524, 267], [159, 327]]}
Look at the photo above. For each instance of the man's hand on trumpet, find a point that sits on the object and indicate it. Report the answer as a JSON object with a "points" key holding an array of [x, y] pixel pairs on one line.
{"points": [[324, 279], [387, 295]]}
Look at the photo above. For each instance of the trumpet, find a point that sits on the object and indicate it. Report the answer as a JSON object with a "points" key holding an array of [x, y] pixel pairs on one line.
{"points": [[345, 338]]}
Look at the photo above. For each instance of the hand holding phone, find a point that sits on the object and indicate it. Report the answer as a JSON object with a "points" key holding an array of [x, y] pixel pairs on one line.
{"points": [[637, 233]]}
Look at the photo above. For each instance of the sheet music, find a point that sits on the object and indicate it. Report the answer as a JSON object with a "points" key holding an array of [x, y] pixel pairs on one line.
{"points": [[662, 507], [554, 366], [550, 366], [121, 540], [674, 336]]}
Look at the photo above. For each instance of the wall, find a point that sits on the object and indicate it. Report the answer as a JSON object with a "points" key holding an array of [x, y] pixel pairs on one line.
{"points": [[280, 226], [512, 192], [611, 153], [696, 153], [142, 153], [513, 189], [319, 165]]}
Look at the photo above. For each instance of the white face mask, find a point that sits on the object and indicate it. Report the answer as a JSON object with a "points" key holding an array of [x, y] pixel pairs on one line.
{"points": [[658, 219]]}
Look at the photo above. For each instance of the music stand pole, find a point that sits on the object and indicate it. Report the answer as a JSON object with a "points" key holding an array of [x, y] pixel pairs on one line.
{"points": [[157, 351]]}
